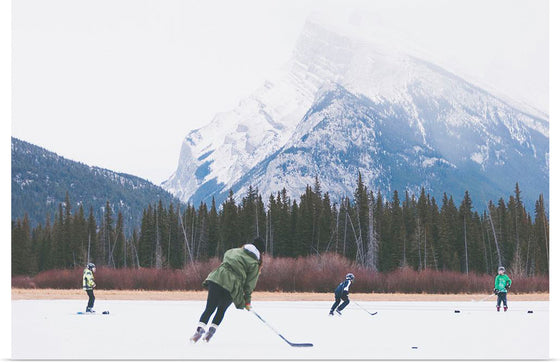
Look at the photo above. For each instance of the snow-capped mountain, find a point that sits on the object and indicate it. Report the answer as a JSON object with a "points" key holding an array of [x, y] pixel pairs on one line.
{"points": [[344, 104]]}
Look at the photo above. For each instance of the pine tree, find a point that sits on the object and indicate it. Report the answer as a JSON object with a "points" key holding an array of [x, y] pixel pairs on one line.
{"points": [[465, 215], [92, 251], [293, 249], [325, 228], [420, 232], [372, 250], [68, 247], [497, 249], [21, 247], [248, 217], [229, 225], [78, 238], [408, 211], [305, 224], [146, 241], [106, 236], [449, 235], [541, 250], [58, 248], [433, 234], [362, 218], [202, 233], [174, 239], [119, 249], [160, 231], [213, 230]]}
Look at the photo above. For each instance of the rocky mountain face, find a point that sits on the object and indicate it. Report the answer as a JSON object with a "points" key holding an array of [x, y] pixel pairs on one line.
{"points": [[345, 105]]}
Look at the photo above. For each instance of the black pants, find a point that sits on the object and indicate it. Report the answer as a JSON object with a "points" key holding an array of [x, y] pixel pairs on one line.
{"points": [[337, 300], [91, 298], [502, 297], [218, 298]]}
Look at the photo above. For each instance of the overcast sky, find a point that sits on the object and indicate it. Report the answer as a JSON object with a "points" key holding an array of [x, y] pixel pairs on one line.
{"points": [[119, 83]]}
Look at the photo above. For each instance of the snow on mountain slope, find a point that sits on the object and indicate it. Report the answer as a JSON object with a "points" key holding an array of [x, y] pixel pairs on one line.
{"points": [[344, 104], [344, 134]]}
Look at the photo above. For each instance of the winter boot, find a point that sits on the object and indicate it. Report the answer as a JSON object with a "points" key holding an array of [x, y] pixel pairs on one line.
{"points": [[89, 310], [505, 308], [198, 333], [498, 308], [331, 313], [210, 333], [339, 312]]}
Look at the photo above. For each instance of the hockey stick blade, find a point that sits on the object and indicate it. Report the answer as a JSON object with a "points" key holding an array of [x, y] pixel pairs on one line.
{"points": [[374, 313], [295, 345]]}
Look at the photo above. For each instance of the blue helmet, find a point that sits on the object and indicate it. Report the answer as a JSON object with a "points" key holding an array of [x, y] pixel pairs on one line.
{"points": [[350, 276], [90, 266]]}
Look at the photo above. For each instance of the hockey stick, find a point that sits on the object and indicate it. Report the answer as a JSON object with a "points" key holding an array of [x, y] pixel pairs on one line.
{"points": [[298, 345], [374, 313], [485, 298]]}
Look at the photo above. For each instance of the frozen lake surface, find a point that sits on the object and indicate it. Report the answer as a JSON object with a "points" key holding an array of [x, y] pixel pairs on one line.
{"points": [[51, 329]]}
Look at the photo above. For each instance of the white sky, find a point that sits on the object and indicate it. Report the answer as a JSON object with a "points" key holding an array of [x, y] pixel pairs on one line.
{"points": [[119, 83]]}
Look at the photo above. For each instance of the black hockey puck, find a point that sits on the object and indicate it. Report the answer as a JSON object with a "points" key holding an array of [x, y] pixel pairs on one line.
{"points": [[457, 311], [105, 312], [529, 311]]}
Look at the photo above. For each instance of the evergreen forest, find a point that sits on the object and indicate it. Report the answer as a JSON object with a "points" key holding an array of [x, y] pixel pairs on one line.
{"points": [[382, 235]]}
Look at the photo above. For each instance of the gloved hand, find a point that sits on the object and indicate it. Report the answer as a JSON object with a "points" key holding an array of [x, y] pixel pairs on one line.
{"points": [[496, 291], [507, 286], [248, 306]]}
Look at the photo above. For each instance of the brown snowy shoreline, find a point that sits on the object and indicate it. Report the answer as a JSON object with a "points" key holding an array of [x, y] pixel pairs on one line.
{"points": [[69, 294]]}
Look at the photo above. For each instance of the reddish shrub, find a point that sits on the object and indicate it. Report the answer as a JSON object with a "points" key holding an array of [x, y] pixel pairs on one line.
{"points": [[59, 279], [317, 273], [23, 282]]}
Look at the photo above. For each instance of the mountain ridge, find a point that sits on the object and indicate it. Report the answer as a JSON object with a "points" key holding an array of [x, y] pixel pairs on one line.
{"points": [[41, 178], [440, 112]]}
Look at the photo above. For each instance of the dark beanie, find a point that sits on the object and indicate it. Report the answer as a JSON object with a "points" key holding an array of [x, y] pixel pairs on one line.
{"points": [[259, 244]]}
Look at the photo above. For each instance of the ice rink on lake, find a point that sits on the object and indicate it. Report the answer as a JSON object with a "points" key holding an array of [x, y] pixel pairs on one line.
{"points": [[51, 329]]}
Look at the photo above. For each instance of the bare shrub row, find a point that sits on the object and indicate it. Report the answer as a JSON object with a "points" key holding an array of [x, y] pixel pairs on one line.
{"points": [[319, 273]]}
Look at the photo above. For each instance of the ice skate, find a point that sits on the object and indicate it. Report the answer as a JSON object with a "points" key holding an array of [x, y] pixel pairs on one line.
{"points": [[209, 334], [197, 335]]}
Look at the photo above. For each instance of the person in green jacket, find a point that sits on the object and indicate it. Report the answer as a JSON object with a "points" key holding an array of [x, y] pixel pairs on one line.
{"points": [[233, 281], [88, 283], [501, 286]]}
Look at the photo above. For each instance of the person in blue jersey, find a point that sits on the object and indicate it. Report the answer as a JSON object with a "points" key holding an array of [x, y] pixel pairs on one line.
{"points": [[341, 294]]}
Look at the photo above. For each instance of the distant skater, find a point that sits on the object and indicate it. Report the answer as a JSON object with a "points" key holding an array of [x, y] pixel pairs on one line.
{"points": [[341, 293], [501, 286], [233, 281], [89, 284]]}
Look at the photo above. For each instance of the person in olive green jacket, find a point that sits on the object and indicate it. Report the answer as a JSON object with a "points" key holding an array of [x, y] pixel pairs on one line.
{"points": [[501, 286], [233, 281]]}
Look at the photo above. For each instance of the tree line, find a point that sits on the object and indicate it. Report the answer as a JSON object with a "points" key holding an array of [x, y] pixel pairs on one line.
{"points": [[377, 233]]}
